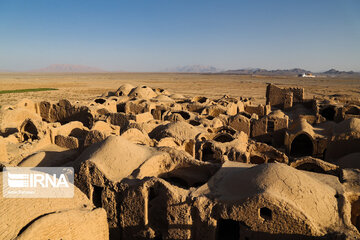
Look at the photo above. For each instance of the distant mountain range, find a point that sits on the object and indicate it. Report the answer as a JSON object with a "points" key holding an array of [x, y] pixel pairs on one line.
{"points": [[336, 72], [68, 68], [260, 71], [289, 72]]}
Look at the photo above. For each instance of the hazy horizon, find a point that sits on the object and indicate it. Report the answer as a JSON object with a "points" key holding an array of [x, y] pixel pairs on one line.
{"points": [[152, 36], [180, 69]]}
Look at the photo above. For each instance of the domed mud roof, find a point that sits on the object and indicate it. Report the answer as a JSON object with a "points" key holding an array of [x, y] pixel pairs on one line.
{"points": [[301, 125], [142, 92], [116, 157], [177, 96], [277, 114], [279, 183], [124, 89], [179, 130]]}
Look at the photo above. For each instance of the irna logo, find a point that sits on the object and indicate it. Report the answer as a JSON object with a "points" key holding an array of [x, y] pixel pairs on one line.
{"points": [[38, 182]]}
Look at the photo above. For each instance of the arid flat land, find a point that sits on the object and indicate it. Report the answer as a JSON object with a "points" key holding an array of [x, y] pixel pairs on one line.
{"points": [[85, 86]]}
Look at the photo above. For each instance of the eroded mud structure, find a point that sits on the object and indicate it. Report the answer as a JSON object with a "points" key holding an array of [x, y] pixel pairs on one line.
{"points": [[155, 165]]}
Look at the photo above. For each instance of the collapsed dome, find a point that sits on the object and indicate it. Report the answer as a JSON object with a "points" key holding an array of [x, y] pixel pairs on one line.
{"points": [[29, 130], [223, 137]]}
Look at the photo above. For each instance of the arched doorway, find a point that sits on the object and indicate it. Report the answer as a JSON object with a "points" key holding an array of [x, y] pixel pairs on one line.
{"points": [[301, 146], [328, 113]]}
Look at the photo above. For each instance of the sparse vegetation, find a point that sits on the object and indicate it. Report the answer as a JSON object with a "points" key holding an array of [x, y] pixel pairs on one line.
{"points": [[27, 90]]}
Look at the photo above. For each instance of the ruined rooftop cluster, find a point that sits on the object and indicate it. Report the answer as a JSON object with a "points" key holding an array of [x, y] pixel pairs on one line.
{"points": [[155, 165]]}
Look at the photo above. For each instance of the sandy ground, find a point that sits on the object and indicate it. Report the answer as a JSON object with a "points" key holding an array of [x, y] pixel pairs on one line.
{"points": [[87, 86]]}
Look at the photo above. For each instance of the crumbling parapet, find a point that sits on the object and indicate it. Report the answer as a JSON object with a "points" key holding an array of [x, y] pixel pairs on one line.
{"points": [[283, 98], [65, 112], [288, 101]]}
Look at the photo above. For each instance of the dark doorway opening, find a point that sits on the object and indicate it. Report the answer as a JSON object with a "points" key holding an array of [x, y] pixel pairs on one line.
{"points": [[154, 218], [328, 113], [227, 229], [270, 126], [207, 154], [120, 107], [96, 196], [301, 146]]}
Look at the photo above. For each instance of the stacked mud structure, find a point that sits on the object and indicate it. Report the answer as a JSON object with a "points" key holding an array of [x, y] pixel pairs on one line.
{"points": [[154, 165]]}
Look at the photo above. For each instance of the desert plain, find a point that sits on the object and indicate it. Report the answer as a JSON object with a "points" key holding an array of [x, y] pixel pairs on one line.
{"points": [[85, 86]]}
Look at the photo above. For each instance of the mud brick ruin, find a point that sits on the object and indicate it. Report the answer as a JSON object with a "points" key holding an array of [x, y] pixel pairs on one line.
{"points": [[151, 164]]}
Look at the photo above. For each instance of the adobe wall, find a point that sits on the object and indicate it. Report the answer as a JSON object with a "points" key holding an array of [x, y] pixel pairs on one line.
{"points": [[283, 97]]}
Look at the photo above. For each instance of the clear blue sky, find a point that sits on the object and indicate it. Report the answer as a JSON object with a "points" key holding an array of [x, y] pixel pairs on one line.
{"points": [[152, 35]]}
